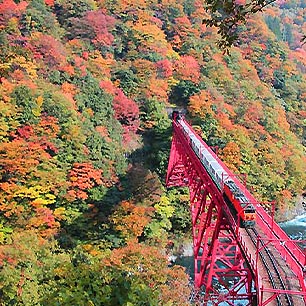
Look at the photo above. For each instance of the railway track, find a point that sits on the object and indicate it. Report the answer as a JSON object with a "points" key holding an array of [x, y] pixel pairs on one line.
{"points": [[277, 274]]}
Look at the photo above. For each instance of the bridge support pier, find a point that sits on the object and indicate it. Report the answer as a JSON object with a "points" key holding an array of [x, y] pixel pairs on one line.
{"points": [[228, 268], [221, 271]]}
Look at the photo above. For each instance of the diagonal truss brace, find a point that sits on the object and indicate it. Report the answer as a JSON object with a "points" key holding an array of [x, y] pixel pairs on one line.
{"points": [[221, 271]]}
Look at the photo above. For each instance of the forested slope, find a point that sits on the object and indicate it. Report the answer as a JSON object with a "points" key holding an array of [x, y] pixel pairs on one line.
{"points": [[84, 138]]}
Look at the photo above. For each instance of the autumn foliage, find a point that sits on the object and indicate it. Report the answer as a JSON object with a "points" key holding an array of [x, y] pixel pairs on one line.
{"points": [[85, 138]]}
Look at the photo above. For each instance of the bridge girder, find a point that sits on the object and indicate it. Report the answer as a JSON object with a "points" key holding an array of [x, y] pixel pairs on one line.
{"points": [[221, 271]]}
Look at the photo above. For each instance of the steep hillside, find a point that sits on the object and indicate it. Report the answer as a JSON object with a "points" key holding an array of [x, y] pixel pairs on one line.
{"points": [[84, 137]]}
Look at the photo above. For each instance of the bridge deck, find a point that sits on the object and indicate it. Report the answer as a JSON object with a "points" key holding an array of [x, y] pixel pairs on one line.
{"points": [[290, 279], [276, 262], [251, 252]]}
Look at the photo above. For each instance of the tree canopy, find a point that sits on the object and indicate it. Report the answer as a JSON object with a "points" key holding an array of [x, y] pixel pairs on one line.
{"points": [[85, 218]]}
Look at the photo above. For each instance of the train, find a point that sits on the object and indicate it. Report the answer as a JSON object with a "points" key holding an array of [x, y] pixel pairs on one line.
{"points": [[243, 211]]}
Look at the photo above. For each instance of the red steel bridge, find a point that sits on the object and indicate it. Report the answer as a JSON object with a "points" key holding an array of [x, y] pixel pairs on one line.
{"points": [[234, 265]]}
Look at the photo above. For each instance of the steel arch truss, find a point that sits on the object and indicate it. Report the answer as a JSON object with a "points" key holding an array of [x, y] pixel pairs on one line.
{"points": [[221, 271]]}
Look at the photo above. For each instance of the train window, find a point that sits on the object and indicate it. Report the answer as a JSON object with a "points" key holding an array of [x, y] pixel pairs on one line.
{"points": [[219, 175], [233, 187], [240, 196], [218, 180], [244, 199], [211, 169], [249, 211]]}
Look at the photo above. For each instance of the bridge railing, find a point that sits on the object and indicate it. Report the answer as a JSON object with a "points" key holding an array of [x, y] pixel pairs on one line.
{"points": [[289, 250]]}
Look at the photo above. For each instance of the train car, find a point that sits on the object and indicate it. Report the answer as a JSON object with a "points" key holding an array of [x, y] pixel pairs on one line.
{"points": [[234, 197], [244, 211]]}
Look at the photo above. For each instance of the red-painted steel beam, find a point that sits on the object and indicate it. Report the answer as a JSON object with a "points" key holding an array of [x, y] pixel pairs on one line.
{"points": [[217, 256], [216, 236]]}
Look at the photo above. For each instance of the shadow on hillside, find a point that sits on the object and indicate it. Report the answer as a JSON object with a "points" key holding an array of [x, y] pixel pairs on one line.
{"points": [[142, 182], [91, 226], [154, 154]]}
